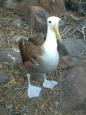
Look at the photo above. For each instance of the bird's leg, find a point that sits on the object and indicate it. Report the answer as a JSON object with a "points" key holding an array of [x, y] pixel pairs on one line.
{"points": [[36, 76], [28, 77], [34, 61], [49, 83], [33, 91]]}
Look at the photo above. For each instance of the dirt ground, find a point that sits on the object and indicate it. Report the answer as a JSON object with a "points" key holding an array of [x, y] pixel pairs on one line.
{"points": [[13, 94]]}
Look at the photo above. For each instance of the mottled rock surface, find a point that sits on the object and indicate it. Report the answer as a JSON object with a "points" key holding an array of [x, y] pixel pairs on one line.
{"points": [[35, 13], [54, 7], [35, 16], [73, 86], [74, 46], [11, 56]]}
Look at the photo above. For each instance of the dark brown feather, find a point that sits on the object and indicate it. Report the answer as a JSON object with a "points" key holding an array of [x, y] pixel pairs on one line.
{"points": [[37, 40], [29, 52]]}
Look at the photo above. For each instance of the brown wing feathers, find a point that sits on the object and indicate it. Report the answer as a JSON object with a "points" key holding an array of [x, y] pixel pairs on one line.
{"points": [[23, 49], [29, 51]]}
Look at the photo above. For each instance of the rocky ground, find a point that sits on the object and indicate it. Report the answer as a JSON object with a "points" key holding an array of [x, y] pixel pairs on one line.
{"points": [[67, 98]]}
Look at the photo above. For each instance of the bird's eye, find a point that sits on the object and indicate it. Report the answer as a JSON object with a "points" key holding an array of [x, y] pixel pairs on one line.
{"points": [[49, 21]]}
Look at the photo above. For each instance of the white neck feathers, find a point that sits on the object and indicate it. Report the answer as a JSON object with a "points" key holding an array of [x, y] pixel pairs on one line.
{"points": [[50, 43]]}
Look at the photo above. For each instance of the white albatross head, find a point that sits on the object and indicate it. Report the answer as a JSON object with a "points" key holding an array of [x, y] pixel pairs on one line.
{"points": [[53, 24]]}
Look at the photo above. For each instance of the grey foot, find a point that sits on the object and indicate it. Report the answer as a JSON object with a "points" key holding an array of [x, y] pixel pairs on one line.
{"points": [[49, 83], [33, 91]]}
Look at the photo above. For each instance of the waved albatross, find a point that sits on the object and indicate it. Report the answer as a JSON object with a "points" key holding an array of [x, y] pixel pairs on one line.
{"points": [[42, 59]]}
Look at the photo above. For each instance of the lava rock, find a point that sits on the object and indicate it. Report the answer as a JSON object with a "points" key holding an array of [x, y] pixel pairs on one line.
{"points": [[54, 7], [11, 56], [73, 86], [35, 16], [67, 62], [35, 13], [79, 7], [11, 4], [74, 46]]}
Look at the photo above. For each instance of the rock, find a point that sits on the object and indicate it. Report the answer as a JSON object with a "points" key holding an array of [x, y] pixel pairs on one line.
{"points": [[36, 12], [62, 49], [18, 22], [3, 77], [12, 56], [79, 7], [10, 4], [68, 61], [35, 16], [54, 7], [73, 86], [74, 46]]}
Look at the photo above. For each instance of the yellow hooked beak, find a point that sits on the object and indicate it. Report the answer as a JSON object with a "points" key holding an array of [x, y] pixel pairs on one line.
{"points": [[56, 30]]}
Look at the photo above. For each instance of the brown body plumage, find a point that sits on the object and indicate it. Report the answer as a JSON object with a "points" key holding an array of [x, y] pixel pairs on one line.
{"points": [[29, 53]]}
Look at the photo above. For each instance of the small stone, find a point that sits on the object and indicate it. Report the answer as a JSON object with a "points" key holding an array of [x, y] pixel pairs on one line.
{"points": [[56, 103], [17, 22], [3, 77]]}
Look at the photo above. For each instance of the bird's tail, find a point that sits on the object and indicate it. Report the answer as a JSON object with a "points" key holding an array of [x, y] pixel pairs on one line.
{"points": [[23, 48]]}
